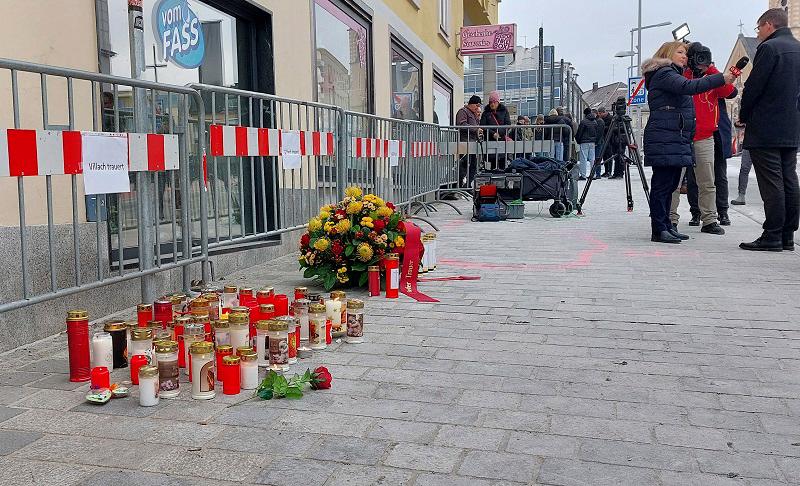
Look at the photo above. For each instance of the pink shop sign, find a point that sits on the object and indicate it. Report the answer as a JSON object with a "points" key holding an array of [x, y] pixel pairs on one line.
{"points": [[488, 39]]}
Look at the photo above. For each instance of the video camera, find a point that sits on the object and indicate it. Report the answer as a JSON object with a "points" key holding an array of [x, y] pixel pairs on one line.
{"points": [[620, 107], [699, 55]]}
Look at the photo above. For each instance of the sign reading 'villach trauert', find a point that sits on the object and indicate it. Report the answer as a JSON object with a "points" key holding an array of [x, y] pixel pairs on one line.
{"points": [[488, 39]]}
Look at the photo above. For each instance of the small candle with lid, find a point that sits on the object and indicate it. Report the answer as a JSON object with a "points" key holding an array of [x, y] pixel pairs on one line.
{"points": [[248, 368], [230, 297], [231, 381], [202, 354], [355, 321], [144, 314], [102, 350], [148, 386]]}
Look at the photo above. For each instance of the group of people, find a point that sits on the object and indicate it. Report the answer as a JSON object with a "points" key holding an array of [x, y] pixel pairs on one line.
{"points": [[685, 132], [591, 135]]}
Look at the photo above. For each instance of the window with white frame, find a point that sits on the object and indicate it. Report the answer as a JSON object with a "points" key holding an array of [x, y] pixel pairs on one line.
{"points": [[444, 17]]}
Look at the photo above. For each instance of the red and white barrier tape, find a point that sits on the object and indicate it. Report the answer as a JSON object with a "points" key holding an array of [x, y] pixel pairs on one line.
{"points": [[233, 141]]}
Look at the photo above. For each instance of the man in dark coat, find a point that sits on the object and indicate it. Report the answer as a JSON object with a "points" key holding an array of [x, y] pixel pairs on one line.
{"points": [[587, 135], [601, 135], [608, 151], [773, 129]]}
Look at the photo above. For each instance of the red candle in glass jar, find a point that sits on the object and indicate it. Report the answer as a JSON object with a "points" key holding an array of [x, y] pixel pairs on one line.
{"points": [[266, 312], [136, 362], [300, 293], [392, 265], [162, 311], [78, 345], [374, 279], [265, 296], [328, 331], [144, 314], [231, 381], [100, 377], [223, 350], [178, 327], [246, 297], [297, 334], [281, 303]]}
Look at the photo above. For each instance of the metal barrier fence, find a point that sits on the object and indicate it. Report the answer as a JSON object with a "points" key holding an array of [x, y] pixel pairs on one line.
{"points": [[146, 231], [271, 163]]}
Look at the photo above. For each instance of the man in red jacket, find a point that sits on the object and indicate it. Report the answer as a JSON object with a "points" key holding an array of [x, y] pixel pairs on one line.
{"points": [[706, 109]]}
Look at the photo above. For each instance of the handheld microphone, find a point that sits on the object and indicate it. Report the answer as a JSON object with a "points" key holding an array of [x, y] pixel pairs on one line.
{"points": [[741, 64]]}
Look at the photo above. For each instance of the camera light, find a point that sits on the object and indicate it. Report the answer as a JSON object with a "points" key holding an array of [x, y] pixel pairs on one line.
{"points": [[681, 32]]}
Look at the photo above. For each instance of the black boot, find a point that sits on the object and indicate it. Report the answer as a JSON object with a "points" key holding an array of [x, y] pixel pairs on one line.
{"points": [[788, 242], [664, 237], [695, 220], [674, 232], [713, 228], [724, 220], [761, 245]]}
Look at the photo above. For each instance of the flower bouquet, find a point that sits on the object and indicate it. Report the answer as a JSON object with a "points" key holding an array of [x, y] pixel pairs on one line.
{"points": [[348, 237]]}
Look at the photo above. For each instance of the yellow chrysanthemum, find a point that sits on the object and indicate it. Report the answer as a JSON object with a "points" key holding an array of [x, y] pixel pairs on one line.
{"points": [[353, 191], [322, 244], [364, 252], [379, 202], [385, 211], [314, 224], [343, 278], [343, 270], [354, 207], [399, 241], [329, 226], [367, 221], [343, 226], [324, 214], [301, 258]]}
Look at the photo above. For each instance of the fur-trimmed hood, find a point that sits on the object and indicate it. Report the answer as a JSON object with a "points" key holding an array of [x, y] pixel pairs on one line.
{"points": [[654, 64]]}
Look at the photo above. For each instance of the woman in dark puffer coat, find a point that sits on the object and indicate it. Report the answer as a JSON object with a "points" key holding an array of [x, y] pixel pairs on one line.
{"points": [[670, 129]]}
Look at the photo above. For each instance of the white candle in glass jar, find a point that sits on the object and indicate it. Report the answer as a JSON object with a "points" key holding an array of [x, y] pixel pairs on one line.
{"points": [[249, 371], [102, 350], [333, 311], [148, 386]]}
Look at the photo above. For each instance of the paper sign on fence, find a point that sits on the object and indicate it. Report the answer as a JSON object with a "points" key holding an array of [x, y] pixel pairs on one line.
{"points": [[290, 149], [394, 153], [105, 163]]}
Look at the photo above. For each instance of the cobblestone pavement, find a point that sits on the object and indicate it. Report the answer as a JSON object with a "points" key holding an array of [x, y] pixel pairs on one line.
{"points": [[585, 355]]}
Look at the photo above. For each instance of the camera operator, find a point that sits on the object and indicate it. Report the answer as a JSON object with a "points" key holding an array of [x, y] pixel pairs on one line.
{"points": [[706, 107], [670, 129]]}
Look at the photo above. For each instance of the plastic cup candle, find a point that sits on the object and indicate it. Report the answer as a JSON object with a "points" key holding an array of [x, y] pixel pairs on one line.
{"points": [[266, 312], [232, 378], [249, 371], [265, 296], [192, 333], [168, 370], [202, 354], [262, 343], [179, 326], [148, 386], [317, 326], [278, 345], [246, 298], [392, 263]]}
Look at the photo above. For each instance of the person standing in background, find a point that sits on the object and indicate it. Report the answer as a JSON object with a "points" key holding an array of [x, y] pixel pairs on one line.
{"points": [[769, 111]]}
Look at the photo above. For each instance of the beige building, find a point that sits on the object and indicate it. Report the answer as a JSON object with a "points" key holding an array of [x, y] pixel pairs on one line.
{"points": [[792, 7]]}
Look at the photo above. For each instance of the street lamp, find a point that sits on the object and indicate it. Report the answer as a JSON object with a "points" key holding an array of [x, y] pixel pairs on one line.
{"points": [[639, 29], [630, 54]]}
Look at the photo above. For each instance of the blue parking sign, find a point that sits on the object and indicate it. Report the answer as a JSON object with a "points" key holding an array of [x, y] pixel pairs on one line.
{"points": [[637, 97]]}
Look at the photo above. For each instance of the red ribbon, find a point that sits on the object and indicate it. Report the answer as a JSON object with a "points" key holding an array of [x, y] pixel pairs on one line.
{"points": [[411, 258]]}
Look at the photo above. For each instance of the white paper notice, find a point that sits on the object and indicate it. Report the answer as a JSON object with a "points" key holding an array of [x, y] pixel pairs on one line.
{"points": [[290, 149], [394, 153], [105, 163]]}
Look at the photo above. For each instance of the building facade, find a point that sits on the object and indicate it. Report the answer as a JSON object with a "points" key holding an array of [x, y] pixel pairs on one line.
{"points": [[792, 8]]}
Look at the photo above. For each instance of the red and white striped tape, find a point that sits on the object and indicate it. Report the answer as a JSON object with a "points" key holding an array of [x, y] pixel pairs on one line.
{"points": [[424, 149], [51, 152], [374, 147], [232, 141]]}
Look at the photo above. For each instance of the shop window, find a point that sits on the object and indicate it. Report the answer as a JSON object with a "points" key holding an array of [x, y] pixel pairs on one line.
{"points": [[342, 56], [406, 84], [442, 102]]}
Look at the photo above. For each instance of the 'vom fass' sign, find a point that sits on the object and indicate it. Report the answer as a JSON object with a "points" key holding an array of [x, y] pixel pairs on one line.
{"points": [[179, 32]]}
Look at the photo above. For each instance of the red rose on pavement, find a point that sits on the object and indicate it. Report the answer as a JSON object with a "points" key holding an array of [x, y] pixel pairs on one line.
{"points": [[379, 225], [305, 240], [321, 379]]}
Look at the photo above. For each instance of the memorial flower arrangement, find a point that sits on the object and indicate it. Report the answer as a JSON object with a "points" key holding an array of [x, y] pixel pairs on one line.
{"points": [[278, 386], [348, 237]]}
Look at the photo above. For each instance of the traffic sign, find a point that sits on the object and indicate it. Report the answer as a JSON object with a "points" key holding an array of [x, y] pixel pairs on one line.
{"points": [[637, 93]]}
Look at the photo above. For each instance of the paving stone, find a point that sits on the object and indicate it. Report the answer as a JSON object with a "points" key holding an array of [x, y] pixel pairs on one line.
{"points": [[11, 440], [448, 414], [695, 437], [8, 412], [11, 394], [563, 472], [19, 471], [286, 471], [423, 457], [637, 455], [355, 475], [322, 423], [428, 479], [280, 442], [497, 465], [403, 431], [56, 381], [350, 450], [187, 434], [470, 437], [672, 478], [253, 414], [52, 399], [543, 445], [417, 393], [194, 411], [501, 419], [738, 463], [211, 463], [99, 452], [600, 428], [16, 378], [791, 469], [140, 478], [495, 400]]}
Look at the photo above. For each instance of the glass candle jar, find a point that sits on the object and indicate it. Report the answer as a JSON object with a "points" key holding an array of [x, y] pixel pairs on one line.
{"points": [[374, 279], [244, 349], [315, 298], [230, 297], [262, 343], [317, 321], [178, 302], [168, 370], [202, 354], [136, 361], [192, 333], [249, 371], [392, 263], [148, 386], [246, 297], [144, 314], [118, 332], [232, 377], [300, 293], [162, 311], [278, 345], [222, 351], [222, 333], [204, 320], [142, 343], [102, 350], [239, 329], [266, 312], [78, 345], [333, 310], [100, 378], [214, 310], [281, 302], [265, 295], [178, 328], [355, 321], [301, 314], [129, 327]]}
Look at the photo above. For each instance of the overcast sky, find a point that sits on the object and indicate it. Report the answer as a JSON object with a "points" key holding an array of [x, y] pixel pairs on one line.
{"points": [[590, 32]]}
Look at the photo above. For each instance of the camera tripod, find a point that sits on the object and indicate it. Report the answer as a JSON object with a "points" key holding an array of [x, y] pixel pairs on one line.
{"points": [[622, 124]]}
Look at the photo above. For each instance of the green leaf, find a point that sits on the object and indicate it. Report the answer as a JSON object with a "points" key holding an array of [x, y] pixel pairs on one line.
{"points": [[362, 280], [294, 392], [266, 394], [391, 235], [268, 380], [394, 219], [310, 272], [359, 267], [356, 228], [349, 250], [307, 375], [280, 386], [329, 281]]}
